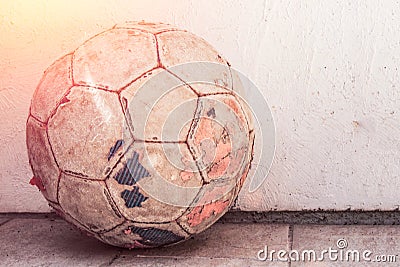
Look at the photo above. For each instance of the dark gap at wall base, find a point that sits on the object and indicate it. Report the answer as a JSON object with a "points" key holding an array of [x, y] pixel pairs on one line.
{"points": [[351, 217], [348, 217]]}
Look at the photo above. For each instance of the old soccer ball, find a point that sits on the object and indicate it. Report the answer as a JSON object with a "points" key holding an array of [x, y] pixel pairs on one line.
{"points": [[140, 137]]}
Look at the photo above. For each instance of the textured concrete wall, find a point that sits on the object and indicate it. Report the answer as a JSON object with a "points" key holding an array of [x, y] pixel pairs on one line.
{"points": [[329, 70]]}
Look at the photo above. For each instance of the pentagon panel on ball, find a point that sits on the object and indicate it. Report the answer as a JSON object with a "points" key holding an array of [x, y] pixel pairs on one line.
{"points": [[140, 136]]}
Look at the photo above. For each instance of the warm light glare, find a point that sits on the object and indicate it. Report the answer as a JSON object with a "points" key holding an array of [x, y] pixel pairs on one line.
{"points": [[25, 22]]}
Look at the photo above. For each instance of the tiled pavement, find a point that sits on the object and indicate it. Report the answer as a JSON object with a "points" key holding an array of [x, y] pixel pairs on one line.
{"points": [[42, 240]]}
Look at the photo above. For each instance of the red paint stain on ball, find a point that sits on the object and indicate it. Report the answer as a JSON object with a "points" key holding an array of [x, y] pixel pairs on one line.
{"points": [[36, 181], [201, 213], [211, 204], [236, 109], [186, 175]]}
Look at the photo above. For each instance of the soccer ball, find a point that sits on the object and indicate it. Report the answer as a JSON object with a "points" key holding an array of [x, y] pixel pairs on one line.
{"points": [[139, 137]]}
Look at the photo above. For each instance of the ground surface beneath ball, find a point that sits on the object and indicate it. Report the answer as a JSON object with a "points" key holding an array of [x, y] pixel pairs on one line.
{"points": [[46, 240]]}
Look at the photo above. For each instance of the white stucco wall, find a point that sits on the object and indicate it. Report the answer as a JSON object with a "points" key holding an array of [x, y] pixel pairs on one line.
{"points": [[329, 70]]}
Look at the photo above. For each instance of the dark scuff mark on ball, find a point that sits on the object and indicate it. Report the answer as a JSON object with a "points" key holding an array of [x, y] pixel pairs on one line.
{"points": [[114, 149], [154, 237], [133, 198], [76, 174], [211, 113], [132, 171]]}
